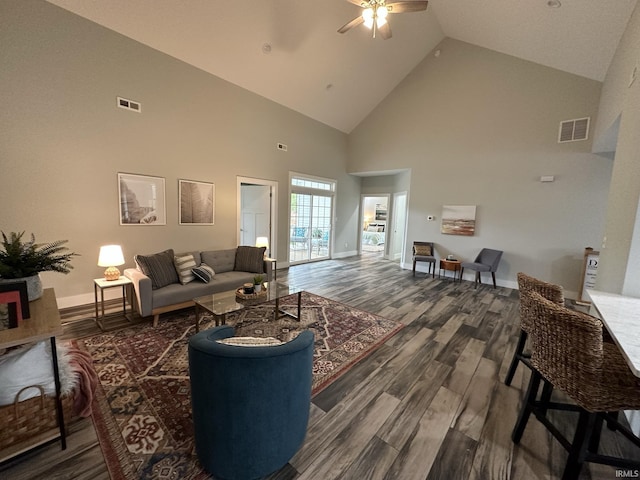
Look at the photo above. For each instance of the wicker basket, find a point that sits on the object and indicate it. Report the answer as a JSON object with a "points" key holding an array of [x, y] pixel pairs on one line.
{"points": [[25, 419]]}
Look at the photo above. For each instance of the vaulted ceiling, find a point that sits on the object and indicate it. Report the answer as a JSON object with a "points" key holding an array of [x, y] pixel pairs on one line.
{"points": [[289, 51]]}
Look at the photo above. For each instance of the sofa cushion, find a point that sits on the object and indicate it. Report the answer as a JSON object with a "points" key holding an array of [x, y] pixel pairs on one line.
{"points": [[159, 268], [250, 259], [204, 272], [184, 264], [220, 260]]}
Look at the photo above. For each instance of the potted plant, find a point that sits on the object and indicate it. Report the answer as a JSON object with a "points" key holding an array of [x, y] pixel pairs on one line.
{"points": [[257, 283], [24, 260]]}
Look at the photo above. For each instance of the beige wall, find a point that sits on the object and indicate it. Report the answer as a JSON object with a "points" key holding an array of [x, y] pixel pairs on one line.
{"points": [[619, 267], [477, 127], [62, 142]]}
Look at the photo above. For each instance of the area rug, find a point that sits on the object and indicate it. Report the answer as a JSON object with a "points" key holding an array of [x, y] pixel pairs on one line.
{"points": [[142, 409]]}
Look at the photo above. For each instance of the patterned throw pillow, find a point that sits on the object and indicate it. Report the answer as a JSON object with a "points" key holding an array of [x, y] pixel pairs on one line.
{"points": [[422, 250], [159, 268], [204, 272], [250, 259], [184, 264], [250, 341]]}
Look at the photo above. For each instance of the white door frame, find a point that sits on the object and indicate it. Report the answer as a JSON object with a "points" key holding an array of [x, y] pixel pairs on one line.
{"points": [[394, 213], [273, 234]]}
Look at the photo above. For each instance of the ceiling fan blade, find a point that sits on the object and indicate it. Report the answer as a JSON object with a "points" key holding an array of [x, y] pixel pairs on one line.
{"points": [[385, 31], [404, 7], [353, 23], [358, 2]]}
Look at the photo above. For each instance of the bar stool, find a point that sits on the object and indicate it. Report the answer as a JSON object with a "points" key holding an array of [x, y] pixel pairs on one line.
{"points": [[551, 292], [568, 352]]}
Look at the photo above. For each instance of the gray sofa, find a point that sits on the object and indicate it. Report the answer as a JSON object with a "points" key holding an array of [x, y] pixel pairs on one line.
{"points": [[153, 296]]}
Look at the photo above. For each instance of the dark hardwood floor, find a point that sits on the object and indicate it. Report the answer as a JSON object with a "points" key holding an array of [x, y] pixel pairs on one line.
{"points": [[429, 404]]}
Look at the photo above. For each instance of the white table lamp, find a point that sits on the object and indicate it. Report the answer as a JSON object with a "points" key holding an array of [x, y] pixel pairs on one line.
{"points": [[111, 256], [263, 242]]}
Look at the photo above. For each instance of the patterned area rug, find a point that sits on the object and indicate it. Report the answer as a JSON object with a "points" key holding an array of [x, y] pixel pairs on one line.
{"points": [[142, 409]]}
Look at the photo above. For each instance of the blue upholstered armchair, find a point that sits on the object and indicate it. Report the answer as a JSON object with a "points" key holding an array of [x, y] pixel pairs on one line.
{"points": [[250, 403]]}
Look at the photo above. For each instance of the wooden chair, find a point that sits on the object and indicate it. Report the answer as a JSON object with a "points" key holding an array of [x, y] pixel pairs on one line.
{"points": [[423, 252], [569, 353]]}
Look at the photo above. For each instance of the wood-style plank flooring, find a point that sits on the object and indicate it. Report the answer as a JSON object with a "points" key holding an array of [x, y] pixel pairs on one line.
{"points": [[429, 404]]}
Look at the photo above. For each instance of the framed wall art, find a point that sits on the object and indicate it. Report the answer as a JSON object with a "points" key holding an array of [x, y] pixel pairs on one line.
{"points": [[458, 219], [142, 200], [197, 202], [14, 304]]}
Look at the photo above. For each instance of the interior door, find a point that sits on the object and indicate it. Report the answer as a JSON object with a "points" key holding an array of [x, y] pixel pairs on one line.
{"points": [[399, 221], [255, 213]]}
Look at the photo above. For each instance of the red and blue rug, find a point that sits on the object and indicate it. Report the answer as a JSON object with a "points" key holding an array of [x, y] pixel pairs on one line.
{"points": [[142, 408]]}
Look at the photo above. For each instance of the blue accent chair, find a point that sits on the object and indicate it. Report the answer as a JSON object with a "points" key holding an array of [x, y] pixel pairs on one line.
{"points": [[250, 404]]}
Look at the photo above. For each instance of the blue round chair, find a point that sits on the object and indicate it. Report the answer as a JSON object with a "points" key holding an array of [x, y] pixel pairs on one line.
{"points": [[250, 403]]}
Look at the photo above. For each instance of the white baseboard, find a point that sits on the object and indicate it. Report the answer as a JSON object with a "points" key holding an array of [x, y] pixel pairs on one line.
{"points": [[350, 253]]}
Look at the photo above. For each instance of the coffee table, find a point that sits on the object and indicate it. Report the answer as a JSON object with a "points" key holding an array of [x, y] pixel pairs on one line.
{"points": [[219, 304]]}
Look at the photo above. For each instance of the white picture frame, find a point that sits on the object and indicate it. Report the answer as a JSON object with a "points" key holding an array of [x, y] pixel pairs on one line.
{"points": [[141, 199], [196, 202]]}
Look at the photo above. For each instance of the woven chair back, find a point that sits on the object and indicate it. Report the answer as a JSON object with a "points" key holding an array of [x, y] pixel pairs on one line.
{"points": [[568, 350], [549, 291]]}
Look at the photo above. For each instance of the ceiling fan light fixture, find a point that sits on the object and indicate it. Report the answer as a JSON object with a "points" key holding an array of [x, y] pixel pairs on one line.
{"points": [[367, 15], [381, 16]]}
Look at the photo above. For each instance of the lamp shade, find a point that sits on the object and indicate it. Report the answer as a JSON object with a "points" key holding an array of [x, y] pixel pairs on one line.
{"points": [[111, 256], [262, 242]]}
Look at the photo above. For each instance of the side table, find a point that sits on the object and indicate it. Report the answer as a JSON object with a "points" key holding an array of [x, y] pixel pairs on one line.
{"points": [[454, 266], [102, 284], [274, 267]]}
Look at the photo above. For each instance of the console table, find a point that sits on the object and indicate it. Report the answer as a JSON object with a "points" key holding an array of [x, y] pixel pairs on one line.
{"points": [[43, 324]]}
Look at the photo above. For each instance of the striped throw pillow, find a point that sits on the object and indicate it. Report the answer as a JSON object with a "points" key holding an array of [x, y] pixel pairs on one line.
{"points": [[204, 272], [159, 268], [184, 265]]}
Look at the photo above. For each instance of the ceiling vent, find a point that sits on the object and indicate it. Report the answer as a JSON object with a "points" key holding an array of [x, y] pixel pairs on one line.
{"points": [[129, 104], [574, 130]]}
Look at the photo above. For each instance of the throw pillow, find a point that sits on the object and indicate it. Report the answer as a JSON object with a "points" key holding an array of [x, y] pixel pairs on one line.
{"points": [[184, 265], [250, 259], [250, 341], [159, 268], [204, 272], [422, 250]]}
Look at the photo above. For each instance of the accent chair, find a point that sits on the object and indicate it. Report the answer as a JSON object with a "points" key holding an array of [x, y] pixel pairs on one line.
{"points": [[486, 261], [423, 252], [250, 403]]}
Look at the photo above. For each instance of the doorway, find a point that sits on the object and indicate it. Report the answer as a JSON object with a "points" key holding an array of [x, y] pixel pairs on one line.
{"points": [[374, 221], [257, 200]]}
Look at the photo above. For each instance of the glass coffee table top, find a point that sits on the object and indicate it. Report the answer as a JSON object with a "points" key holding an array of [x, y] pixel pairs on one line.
{"points": [[219, 304]]}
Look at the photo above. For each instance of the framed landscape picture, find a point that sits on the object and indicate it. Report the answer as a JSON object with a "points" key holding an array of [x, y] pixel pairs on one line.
{"points": [[197, 202], [142, 200], [458, 219]]}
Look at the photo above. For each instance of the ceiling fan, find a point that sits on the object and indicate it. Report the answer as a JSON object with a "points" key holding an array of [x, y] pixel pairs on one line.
{"points": [[374, 14]]}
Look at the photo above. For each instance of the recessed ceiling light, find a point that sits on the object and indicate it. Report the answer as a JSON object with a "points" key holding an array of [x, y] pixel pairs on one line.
{"points": [[554, 3], [266, 49]]}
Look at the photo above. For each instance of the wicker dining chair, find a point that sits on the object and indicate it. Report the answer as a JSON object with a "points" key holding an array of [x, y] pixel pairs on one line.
{"points": [[550, 291], [568, 351]]}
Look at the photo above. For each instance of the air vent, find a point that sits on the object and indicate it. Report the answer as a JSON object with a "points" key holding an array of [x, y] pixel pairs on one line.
{"points": [[129, 104], [574, 130], [281, 146]]}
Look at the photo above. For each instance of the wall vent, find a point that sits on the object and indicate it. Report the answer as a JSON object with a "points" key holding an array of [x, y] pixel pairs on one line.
{"points": [[574, 130], [281, 146], [129, 104]]}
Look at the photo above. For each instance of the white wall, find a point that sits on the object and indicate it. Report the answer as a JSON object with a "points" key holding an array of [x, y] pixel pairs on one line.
{"points": [[477, 127], [620, 103], [63, 140]]}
